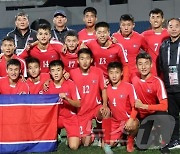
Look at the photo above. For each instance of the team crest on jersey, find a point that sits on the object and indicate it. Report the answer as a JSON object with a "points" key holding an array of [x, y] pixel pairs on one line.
{"points": [[135, 46], [94, 81], [67, 94], [121, 96], [149, 90], [111, 55]]}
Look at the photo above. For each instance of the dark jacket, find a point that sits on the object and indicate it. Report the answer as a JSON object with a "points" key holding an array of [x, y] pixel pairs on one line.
{"points": [[20, 40], [59, 35], [163, 63]]}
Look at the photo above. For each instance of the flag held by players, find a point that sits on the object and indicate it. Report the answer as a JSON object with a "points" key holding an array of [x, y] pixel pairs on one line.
{"points": [[28, 123]]}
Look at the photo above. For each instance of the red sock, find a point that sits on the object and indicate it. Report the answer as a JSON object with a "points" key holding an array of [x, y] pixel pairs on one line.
{"points": [[106, 126]]}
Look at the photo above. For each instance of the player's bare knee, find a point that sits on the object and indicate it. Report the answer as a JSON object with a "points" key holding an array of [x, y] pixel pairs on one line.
{"points": [[73, 146]]}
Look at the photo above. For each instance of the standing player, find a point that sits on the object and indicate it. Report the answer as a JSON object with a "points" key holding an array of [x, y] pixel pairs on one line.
{"points": [[70, 57], [152, 99], [12, 83], [8, 48], [90, 83], [132, 41], [90, 18], [121, 100], [155, 36], [104, 51], [22, 34], [44, 51], [69, 102], [36, 79]]}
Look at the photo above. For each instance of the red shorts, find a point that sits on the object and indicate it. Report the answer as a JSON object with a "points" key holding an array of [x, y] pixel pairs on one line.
{"points": [[117, 129], [70, 124], [85, 121]]}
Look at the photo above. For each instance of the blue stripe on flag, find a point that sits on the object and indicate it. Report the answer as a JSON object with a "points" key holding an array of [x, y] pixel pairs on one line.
{"points": [[29, 99], [28, 147]]}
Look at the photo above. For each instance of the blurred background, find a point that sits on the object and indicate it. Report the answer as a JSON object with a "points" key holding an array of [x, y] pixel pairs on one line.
{"points": [[108, 10]]}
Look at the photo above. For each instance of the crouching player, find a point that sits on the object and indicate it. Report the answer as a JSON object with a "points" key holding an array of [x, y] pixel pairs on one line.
{"points": [[69, 101], [12, 83], [36, 80], [153, 103], [90, 82], [121, 101]]}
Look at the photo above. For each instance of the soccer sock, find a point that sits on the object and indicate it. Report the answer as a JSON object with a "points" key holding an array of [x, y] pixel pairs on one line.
{"points": [[130, 143], [106, 126]]}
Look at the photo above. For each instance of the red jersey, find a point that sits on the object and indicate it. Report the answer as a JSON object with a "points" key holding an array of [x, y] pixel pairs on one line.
{"points": [[69, 60], [103, 56], [153, 41], [89, 86], [121, 101], [84, 36], [35, 88], [150, 91], [3, 66], [68, 87], [132, 46], [44, 56], [20, 87]]}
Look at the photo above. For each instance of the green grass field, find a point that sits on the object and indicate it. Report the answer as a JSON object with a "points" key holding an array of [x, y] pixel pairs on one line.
{"points": [[63, 149]]}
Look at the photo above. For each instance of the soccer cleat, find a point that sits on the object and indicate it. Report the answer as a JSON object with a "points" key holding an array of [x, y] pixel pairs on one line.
{"points": [[107, 149], [165, 150], [130, 144], [96, 142], [174, 145]]}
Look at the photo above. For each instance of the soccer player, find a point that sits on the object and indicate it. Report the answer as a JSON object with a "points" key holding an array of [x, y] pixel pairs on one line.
{"points": [[155, 36], [90, 18], [90, 83], [36, 79], [69, 102], [131, 40], [12, 83], [104, 51], [121, 101], [44, 51], [8, 47], [22, 34], [72, 46], [152, 99], [60, 28]]}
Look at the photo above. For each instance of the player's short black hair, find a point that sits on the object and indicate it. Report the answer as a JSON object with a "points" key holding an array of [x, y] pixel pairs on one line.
{"points": [[126, 17], [56, 63], [102, 24], [21, 14], [156, 11], [30, 60], [44, 27], [90, 9], [8, 38], [115, 64], [85, 51], [177, 19], [71, 33], [14, 62], [143, 55]]}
